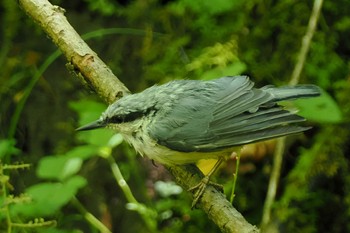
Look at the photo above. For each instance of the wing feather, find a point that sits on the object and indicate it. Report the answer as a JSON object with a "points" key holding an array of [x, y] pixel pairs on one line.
{"points": [[224, 113]]}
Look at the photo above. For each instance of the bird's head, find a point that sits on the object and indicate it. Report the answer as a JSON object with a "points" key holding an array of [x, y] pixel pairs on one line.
{"points": [[124, 115]]}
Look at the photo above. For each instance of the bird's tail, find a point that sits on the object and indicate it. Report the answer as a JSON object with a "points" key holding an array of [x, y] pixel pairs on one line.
{"points": [[293, 92]]}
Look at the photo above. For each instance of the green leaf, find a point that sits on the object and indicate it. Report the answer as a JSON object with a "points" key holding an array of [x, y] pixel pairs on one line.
{"points": [[98, 137], [115, 140], [48, 198], [60, 167], [51, 167], [7, 147], [230, 70], [208, 6], [88, 110], [87, 106], [71, 167], [83, 152], [322, 109]]}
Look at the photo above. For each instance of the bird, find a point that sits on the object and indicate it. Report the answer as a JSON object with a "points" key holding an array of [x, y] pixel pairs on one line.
{"points": [[183, 121]]}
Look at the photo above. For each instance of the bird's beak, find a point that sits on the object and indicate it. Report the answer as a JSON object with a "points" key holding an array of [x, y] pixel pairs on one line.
{"points": [[93, 125]]}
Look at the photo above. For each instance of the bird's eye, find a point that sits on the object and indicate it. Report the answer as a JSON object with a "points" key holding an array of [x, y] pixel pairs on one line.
{"points": [[116, 119]]}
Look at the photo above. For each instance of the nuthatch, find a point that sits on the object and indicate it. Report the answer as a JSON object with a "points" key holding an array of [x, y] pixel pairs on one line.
{"points": [[183, 121]]}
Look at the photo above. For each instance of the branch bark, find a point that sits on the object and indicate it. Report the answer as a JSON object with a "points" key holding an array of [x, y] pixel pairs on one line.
{"points": [[84, 61], [94, 72], [213, 202]]}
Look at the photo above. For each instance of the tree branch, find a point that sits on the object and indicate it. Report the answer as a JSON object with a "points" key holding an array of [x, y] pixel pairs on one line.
{"points": [[213, 202], [87, 65], [85, 62]]}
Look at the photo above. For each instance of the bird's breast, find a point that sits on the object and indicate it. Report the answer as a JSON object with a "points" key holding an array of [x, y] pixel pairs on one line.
{"points": [[147, 146]]}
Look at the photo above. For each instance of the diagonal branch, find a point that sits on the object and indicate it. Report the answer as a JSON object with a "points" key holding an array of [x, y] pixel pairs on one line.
{"points": [[84, 61], [306, 42], [93, 72]]}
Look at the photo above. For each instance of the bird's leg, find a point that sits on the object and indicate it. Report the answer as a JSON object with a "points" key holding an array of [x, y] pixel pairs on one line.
{"points": [[199, 188]]}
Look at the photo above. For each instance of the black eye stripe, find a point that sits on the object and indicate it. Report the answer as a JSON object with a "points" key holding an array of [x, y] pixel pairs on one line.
{"points": [[128, 117]]}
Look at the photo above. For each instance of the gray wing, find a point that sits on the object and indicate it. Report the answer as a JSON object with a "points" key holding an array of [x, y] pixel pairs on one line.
{"points": [[224, 113]]}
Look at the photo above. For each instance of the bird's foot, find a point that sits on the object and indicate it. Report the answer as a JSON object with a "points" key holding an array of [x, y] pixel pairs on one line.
{"points": [[199, 188]]}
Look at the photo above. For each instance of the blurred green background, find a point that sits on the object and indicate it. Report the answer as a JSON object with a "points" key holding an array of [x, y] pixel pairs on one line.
{"points": [[154, 41]]}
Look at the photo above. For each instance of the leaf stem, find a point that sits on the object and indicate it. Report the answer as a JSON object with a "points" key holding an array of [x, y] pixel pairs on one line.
{"points": [[90, 217], [235, 176]]}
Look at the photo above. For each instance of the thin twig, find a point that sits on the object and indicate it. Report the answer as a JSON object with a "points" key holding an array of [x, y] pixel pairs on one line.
{"points": [[146, 213], [306, 41], [90, 217], [235, 175], [273, 182]]}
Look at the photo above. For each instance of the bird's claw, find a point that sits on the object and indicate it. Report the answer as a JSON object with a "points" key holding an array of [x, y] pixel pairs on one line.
{"points": [[199, 188]]}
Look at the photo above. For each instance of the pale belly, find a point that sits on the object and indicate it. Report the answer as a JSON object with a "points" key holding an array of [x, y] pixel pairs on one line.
{"points": [[148, 147]]}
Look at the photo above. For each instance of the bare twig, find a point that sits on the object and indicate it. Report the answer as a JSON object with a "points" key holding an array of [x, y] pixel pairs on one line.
{"points": [[89, 217], [306, 41], [273, 182]]}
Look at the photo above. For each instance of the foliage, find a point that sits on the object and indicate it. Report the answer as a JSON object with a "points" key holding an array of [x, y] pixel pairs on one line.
{"points": [[74, 180], [8, 201]]}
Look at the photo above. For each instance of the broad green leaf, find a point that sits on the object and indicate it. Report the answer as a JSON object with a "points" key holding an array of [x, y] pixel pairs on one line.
{"points": [[231, 70], [58, 167], [88, 110], [48, 198], [51, 167], [83, 152], [71, 167], [115, 140], [97, 137], [321, 109]]}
